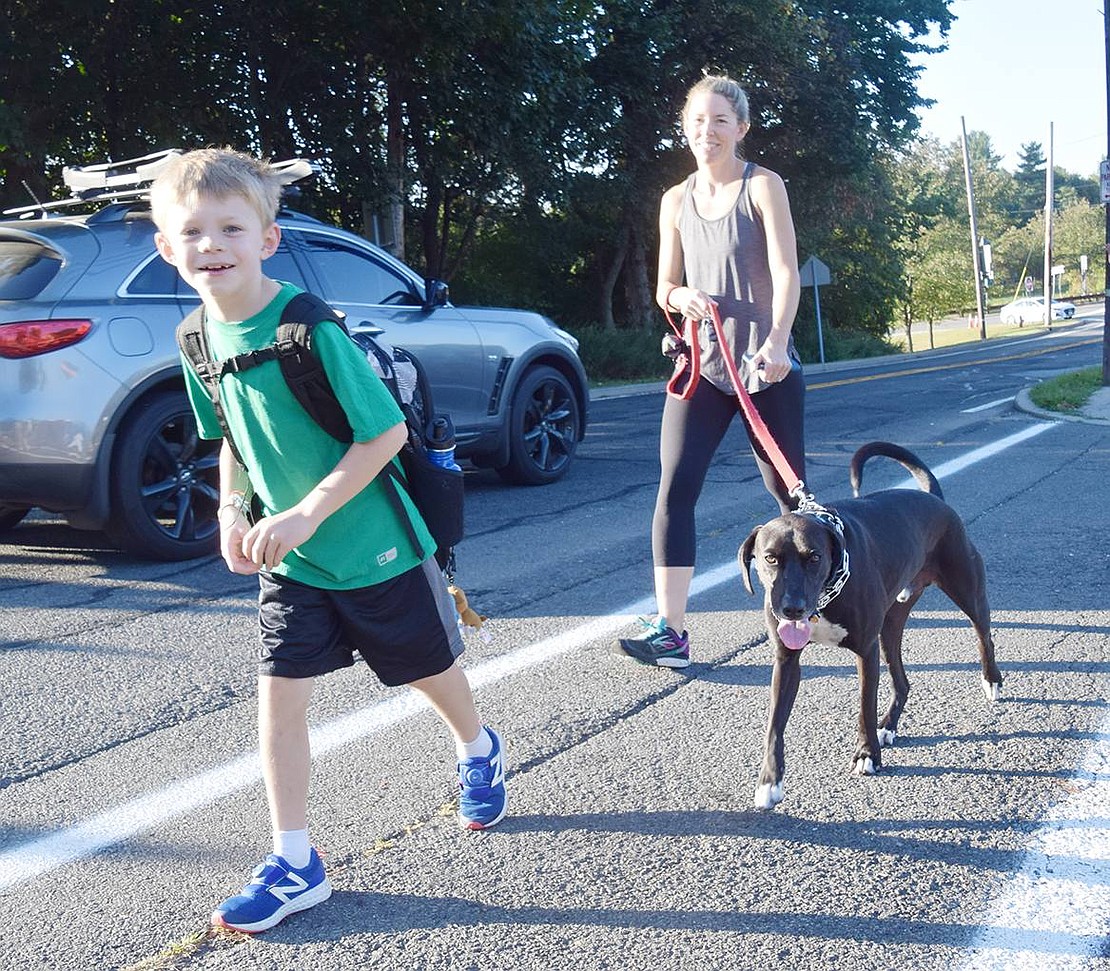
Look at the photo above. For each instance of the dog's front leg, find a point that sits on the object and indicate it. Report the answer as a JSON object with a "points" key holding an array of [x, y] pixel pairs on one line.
{"points": [[785, 677], [868, 757]]}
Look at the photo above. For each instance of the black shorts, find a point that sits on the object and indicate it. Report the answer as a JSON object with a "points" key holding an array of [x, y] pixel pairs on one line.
{"points": [[405, 628]]}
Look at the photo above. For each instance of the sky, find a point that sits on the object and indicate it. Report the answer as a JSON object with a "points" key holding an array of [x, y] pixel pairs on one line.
{"points": [[1013, 66]]}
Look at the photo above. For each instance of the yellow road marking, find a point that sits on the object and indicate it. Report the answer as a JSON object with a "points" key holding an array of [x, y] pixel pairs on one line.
{"points": [[947, 367]]}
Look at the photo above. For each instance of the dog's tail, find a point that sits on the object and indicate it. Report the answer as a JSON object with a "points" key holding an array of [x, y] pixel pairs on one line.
{"points": [[912, 464]]}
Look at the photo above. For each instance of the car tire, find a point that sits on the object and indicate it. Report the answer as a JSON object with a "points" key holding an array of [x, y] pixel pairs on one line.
{"points": [[544, 427], [164, 489], [12, 516]]}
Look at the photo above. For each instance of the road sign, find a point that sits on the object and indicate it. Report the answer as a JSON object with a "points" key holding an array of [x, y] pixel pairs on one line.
{"points": [[814, 273], [1104, 179], [1028, 284]]}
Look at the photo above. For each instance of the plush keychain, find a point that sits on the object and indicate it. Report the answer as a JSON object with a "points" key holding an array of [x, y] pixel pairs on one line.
{"points": [[468, 616]]}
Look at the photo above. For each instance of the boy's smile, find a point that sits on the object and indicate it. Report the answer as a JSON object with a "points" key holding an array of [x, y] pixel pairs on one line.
{"points": [[218, 245]]}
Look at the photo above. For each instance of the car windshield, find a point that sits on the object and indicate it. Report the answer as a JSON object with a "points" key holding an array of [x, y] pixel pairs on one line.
{"points": [[25, 269]]}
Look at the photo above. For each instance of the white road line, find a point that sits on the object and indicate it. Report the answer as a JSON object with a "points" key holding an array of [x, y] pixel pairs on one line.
{"points": [[1055, 911], [989, 404], [979, 454], [34, 858]]}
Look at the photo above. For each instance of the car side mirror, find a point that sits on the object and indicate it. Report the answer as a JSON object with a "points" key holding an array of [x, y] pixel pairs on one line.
{"points": [[435, 294]]}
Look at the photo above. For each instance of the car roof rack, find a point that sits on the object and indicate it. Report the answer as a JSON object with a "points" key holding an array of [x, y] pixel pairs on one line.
{"points": [[130, 179]]}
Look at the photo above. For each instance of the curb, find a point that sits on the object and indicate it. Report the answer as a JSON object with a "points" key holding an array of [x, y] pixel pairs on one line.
{"points": [[1025, 403]]}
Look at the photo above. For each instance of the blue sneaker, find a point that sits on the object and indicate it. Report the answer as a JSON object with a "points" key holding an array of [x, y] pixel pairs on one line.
{"points": [[276, 890], [482, 788], [657, 644]]}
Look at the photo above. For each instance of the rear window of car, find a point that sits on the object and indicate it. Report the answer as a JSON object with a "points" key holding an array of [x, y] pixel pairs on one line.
{"points": [[26, 267]]}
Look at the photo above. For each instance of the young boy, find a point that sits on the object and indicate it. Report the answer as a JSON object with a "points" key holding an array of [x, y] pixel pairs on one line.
{"points": [[336, 569]]}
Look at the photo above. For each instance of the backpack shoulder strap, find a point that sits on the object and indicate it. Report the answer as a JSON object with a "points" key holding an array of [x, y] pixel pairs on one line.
{"points": [[192, 338], [301, 368]]}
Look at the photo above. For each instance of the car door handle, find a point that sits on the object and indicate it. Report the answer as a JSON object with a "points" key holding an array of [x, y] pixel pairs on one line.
{"points": [[368, 328]]}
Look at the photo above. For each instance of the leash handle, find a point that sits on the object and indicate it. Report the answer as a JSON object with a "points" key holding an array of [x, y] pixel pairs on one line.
{"points": [[681, 385]]}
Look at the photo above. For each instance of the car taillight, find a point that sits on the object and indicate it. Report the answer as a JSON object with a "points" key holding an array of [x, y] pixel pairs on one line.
{"points": [[27, 338]]}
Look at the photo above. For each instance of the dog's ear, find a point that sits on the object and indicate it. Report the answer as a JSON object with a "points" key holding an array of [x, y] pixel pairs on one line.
{"points": [[744, 558]]}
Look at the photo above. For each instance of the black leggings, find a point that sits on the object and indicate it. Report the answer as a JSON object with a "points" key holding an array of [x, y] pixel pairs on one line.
{"points": [[691, 432]]}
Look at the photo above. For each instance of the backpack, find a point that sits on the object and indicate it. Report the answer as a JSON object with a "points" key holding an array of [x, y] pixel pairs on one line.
{"points": [[436, 492]]}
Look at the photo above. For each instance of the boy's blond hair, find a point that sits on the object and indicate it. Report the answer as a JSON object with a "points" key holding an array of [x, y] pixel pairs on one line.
{"points": [[216, 172]]}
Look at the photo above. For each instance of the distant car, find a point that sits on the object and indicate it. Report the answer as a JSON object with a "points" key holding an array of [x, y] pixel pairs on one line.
{"points": [[1029, 310], [94, 422]]}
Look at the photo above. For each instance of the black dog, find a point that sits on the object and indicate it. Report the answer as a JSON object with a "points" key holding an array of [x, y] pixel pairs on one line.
{"points": [[848, 576]]}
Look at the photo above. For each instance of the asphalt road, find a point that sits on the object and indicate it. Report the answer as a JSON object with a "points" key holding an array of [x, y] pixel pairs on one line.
{"points": [[129, 792]]}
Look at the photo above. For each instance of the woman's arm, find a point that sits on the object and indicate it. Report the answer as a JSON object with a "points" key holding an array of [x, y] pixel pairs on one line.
{"points": [[771, 202], [670, 293], [670, 251]]}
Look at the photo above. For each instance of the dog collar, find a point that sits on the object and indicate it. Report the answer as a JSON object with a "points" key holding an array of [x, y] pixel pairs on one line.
{"points": [[839, 577]]}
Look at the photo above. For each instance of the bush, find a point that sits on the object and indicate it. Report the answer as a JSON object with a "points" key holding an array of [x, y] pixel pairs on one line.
{"points": [[840, 345], [622, 355]]}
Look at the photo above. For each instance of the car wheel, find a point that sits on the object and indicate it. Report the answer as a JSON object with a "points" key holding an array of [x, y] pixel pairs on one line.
{"points": [[12, 516], [544, 423], [164, 483]]}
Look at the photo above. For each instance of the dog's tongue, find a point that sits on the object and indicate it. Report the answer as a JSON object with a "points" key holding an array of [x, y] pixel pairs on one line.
{"points": [[794, 633]]}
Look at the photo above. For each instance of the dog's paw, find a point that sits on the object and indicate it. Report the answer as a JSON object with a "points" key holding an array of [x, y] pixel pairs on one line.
{"points": [[768, 796], [863, 766], [991, 690], [887, 737]]}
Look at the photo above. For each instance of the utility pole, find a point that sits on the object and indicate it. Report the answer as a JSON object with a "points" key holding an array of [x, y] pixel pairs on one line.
{"points": [[978, 267], [1049, 192], [1106, 207]]}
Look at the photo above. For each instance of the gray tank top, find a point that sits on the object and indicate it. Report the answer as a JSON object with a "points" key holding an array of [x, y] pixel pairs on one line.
{"points": [[727, 258]]}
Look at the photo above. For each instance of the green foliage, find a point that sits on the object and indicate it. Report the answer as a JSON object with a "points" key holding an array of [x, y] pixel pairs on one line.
{"points": [[934, 238], [1067, 392], [839, 344], [521, 149], [622, 355]]}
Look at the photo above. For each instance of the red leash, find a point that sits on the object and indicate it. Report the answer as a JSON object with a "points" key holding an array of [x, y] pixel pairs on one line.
{"points": [[678, 389]]}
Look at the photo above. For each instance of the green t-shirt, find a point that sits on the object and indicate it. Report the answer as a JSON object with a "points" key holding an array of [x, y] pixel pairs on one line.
{"points": [[287, 453]]}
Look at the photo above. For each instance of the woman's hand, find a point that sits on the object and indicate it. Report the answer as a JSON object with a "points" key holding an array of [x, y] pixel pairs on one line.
{"points": [[692, 303], [774, 361]]}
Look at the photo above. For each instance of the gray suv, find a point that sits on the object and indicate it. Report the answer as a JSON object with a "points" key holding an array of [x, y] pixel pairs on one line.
{"points": [[94, 423]]}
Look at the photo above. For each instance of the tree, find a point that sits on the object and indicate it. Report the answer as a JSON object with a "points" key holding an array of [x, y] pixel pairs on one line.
{"points": [[1030, 182]]}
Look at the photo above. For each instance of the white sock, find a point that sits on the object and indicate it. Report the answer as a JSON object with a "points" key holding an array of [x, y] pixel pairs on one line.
{"points": [[292, 846], [477, 749]]}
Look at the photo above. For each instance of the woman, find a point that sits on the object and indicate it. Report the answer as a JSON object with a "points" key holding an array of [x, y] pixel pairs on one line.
{"points": [[726, 240]]}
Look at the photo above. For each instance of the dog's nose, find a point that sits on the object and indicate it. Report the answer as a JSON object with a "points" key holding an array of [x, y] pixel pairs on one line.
{"points": [[792, 610]]}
